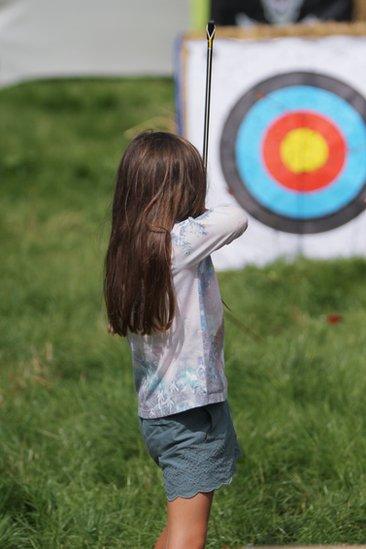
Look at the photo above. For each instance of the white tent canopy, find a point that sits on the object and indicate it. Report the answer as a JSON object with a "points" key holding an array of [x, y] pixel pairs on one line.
{"points": [[43, 38]]}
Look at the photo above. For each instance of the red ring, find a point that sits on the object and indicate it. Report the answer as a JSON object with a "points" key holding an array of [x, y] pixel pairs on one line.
{"points": [[308, 181]]}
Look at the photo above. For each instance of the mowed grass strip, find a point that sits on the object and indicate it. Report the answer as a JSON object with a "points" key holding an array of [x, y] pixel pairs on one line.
{"points": [[74, 472]]}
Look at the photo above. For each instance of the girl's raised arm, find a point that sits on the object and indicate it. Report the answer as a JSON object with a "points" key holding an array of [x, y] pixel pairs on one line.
{"points": [[195, 238]]}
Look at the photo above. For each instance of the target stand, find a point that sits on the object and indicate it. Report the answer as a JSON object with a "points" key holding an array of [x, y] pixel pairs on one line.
{"points": [[288, 136]]}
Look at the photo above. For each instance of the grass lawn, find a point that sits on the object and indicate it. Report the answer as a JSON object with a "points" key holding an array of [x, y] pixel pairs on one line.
{"points": [[74, 472]]}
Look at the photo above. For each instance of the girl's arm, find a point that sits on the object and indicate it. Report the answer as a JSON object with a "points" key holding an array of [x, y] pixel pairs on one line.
{"points": [[195, 238]]}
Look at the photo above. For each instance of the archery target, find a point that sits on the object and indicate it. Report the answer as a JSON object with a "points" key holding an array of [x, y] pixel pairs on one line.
{"points": [[292, 152]]}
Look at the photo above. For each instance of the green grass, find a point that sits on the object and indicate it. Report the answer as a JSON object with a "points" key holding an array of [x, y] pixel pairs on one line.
{"points": [[74, 472]]}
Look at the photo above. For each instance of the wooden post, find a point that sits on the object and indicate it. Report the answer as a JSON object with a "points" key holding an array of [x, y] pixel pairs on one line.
{"points": [[360, 10]]}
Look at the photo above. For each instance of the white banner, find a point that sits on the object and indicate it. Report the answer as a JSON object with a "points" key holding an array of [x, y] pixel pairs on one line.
{"points": [[287, 142], [48, 38]]}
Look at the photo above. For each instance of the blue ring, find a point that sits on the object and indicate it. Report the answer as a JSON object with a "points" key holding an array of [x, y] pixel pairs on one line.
{"points": [[265, 189]]}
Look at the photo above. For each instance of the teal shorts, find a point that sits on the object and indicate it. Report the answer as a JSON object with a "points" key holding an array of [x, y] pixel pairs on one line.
{"points": [[196, 449]]}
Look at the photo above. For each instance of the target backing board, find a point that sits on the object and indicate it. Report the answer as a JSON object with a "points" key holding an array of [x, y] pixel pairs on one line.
{"points": [[287, 141]]}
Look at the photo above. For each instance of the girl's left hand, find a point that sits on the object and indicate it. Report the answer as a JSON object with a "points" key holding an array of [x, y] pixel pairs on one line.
{"points": [[110, 329]]}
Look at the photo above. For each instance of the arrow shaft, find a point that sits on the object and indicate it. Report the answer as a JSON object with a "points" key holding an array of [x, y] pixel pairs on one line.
{"points": [[210, 31], [207, 105]]}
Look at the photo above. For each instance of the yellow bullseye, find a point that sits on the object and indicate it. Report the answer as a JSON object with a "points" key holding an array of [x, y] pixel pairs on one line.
{"points": [[304, 150]]}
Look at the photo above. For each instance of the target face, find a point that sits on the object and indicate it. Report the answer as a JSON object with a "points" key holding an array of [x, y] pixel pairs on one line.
{"points": [[293, 152]]}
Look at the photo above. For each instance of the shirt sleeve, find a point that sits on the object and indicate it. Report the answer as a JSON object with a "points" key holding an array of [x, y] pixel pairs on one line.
{"points": [[195, 238]]}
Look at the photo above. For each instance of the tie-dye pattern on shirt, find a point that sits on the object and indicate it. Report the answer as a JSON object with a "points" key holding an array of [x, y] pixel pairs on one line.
{"points": [[184, 367]]}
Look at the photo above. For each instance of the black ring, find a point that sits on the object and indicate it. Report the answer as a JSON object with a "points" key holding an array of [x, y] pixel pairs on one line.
{"points": [[237, 185]]}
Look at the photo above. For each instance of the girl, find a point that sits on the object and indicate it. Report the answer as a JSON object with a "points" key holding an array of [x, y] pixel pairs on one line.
{"points": [[162, 293]]}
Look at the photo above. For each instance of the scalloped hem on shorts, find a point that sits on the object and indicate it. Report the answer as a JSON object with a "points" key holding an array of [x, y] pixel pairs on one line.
{"points": [[205, 489]]}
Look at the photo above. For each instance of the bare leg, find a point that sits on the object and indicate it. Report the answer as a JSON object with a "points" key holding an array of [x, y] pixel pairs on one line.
{"points": [[161, 542], [188, 521]]}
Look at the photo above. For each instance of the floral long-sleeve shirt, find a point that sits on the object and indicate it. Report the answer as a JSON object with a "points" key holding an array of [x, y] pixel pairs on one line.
{"points": [[183, 367]]}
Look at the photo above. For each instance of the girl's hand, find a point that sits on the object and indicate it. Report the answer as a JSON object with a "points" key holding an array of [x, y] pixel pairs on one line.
{"points": [[110, 329]]}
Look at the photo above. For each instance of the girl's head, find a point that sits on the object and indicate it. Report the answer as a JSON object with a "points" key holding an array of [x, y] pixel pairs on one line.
{"points": [[161, 180]]}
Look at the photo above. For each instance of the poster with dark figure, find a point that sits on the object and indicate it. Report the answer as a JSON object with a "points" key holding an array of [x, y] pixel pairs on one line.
{"points": [[279, 12]]}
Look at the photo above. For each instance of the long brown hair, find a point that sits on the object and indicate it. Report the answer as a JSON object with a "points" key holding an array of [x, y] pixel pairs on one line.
{"points": [[161, 180]]}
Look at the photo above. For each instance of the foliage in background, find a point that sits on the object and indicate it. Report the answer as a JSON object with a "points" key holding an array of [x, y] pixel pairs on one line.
{"points": [[73, 469], [200, 13]]}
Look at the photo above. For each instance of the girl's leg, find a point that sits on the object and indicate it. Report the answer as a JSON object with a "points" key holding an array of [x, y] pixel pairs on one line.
{"points": [[188, 521], [162, 541]]}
